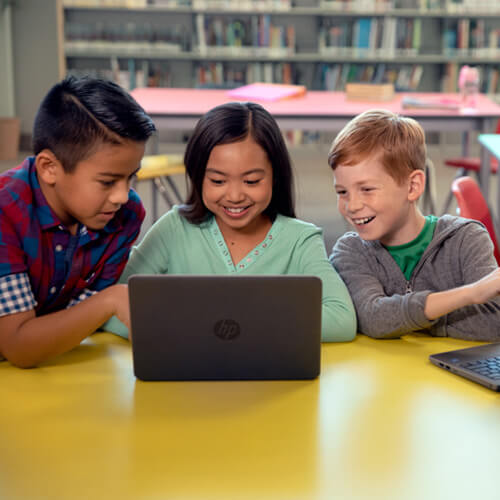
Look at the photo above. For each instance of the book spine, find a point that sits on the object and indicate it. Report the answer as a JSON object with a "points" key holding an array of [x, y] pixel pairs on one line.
{"points": [[200, 33]]}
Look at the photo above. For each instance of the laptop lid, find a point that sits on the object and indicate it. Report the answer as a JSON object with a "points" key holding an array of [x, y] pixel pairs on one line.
{"points": [[187, 327], [480, 364]]}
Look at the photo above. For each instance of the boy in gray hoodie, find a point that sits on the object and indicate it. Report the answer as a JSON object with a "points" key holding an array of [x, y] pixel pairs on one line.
{"points": [[407, 272]]}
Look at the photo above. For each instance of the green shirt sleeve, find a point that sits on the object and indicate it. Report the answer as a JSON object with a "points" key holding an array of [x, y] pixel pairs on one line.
{"points": [[149, 257], [338, 321]]}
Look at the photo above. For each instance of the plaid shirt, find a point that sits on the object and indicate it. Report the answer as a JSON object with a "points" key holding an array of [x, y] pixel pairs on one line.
{"points": [[42, 265]]}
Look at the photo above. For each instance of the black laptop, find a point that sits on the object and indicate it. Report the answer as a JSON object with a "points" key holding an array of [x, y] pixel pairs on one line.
{"points": [[227, 327], [480, 364]]}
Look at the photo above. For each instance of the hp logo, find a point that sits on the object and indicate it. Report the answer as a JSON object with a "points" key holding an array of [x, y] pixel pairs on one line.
{"points": [[227, 329]]}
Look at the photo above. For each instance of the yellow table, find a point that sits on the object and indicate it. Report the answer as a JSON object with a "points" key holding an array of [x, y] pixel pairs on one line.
{"points": [[159, 169], [380, 423]]}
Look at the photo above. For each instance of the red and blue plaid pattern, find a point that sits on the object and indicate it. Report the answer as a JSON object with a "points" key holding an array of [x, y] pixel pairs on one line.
{"points": [[62, 268]]}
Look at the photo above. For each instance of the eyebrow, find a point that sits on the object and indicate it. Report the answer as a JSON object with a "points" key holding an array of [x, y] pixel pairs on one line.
{"points": [[117, 176], [359, 183], [248, 172]]}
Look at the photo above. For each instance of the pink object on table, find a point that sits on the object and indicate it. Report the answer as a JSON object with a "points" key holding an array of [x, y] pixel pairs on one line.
{"points": [[468, 83], [267, 91]]}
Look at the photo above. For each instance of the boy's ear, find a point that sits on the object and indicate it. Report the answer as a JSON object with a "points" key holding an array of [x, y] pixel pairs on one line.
{"points": [[416, 185], [47, 166]]}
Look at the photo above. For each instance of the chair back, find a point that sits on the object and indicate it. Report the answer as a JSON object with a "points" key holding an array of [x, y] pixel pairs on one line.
{"points": [[472, 205]]}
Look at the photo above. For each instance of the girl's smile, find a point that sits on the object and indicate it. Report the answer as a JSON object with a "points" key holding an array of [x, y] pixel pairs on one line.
{"points": [[238, 187]]}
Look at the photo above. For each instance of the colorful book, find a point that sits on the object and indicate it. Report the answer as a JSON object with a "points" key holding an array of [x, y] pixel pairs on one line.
{"points": [[267, 91], [430, 103]]}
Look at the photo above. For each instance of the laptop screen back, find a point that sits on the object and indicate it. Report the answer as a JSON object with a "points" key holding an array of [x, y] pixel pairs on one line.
{"points": [[225, 327]]}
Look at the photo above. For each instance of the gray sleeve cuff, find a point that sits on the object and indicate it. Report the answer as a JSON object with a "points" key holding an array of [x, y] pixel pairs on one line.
{"points": [[414, 305]]}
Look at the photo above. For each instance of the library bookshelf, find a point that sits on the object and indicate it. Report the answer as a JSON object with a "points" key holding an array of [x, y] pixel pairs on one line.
{"points": [[418, 45]]}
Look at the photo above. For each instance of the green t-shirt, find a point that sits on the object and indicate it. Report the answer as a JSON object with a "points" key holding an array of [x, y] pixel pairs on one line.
{"points": [[408, 255]]}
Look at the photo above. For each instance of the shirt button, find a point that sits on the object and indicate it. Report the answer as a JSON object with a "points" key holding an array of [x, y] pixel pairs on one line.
{"points": [[53, 289], [59, 248]]}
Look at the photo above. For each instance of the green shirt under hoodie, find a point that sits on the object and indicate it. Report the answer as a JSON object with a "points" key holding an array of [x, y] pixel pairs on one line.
{"points": [[408, 254]]}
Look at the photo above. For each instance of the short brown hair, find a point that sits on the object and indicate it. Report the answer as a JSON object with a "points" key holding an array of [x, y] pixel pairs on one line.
{"points": [[398, 141]]}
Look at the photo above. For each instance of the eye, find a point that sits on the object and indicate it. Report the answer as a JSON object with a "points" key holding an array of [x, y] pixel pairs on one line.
{"points": [[217, 182], [367, 189], [107, 184], [341, 192], [252, 182]]}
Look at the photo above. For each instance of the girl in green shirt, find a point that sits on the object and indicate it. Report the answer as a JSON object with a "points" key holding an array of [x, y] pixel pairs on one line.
{"points": [[239, 217]]}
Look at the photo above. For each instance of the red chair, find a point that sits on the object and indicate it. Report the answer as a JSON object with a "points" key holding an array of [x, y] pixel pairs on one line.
{"points": [[472, 205], [465, 165]]}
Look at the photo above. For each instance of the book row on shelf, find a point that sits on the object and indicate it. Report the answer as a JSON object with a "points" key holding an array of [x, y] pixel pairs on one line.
{"points": [[391, 36], [206, 75], [211, 31], [131, 73], [102, 36], [334, 77], [471, 36], [387, 37], [249, 5], [451, 6], [220, 75], [256, 31]]}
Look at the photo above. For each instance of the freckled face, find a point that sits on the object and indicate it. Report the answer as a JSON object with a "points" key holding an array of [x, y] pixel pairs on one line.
{"points": [[374, 203]]}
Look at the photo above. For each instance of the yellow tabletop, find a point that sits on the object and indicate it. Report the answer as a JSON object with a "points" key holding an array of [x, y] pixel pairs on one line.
{"points": [[381, 422], [160, 166]]}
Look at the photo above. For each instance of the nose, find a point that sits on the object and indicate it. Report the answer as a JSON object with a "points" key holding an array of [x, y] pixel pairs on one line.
{"points": [[119, 193], [353, 203], [235, 192]]}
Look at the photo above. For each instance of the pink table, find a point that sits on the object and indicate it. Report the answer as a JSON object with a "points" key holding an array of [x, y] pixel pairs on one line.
{"points": [[180, 109]]}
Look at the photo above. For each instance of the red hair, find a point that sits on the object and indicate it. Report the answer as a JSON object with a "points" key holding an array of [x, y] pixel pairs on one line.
{"points": [[398, 143]]}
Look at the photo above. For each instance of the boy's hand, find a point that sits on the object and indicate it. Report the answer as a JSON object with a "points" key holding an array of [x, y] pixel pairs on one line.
{"points": [[118, 295], [486, 288], [441, 303]]}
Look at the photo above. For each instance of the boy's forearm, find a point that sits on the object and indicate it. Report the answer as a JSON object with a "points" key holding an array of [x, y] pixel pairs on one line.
{"points": [[440, 303], [43, 337], [384, 317]]}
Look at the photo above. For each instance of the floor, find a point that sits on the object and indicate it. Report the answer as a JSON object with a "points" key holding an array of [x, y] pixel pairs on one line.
{"points": [[315, 196]]}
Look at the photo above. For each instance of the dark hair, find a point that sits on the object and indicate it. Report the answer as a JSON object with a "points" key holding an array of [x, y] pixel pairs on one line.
{"points": [[78, 115], [233, 122]]}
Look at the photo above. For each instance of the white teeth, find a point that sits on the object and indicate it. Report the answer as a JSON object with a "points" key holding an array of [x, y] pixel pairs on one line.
{"points": [[235, 210], [362, 221]]}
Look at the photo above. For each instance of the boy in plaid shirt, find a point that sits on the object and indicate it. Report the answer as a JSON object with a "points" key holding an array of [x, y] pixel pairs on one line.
{"points": [[68, 219]]}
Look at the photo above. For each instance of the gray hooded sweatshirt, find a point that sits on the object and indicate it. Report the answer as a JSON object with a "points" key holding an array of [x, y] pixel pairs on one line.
{"points": [[388, 305]]}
